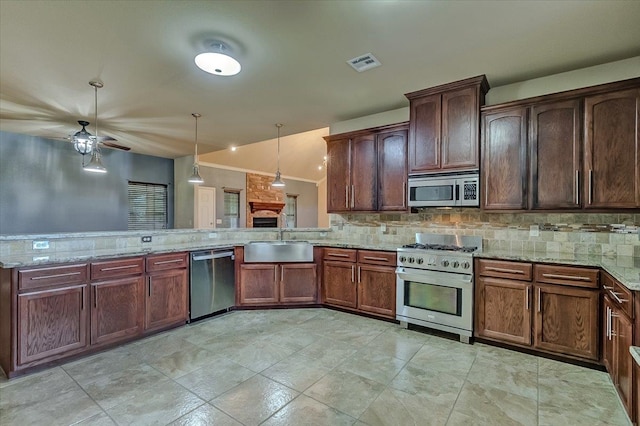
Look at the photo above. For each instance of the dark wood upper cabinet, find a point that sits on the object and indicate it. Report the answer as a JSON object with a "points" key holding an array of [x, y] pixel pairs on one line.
{"points": [[392, 170], [338, 174], [445, 125], [555, 155], [612, 149], [364, 173], [504, 166]]}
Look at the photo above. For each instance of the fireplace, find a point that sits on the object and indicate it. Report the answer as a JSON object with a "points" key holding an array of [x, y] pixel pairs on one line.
{"points": [[265, 222]]}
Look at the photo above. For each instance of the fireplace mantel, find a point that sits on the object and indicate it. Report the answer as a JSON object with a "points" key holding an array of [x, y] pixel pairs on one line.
{"points": [[266, 205]]}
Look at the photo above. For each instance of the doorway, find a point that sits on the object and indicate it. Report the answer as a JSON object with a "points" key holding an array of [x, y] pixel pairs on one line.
{"points": [[205, 208]]}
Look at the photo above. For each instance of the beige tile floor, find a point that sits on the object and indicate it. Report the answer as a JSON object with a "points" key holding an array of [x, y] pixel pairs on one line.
{"points": [[309, 367]]}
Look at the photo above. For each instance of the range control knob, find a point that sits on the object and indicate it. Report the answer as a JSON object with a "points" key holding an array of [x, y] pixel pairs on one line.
{"points": [[402, 258], [445, 263], [455, 264], [411, 260], [465, 265], [419, 261]]}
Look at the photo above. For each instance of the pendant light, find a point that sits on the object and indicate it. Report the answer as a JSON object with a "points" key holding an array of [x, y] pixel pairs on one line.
{"points": [[277, 182], [195, 176], [95, 164]]}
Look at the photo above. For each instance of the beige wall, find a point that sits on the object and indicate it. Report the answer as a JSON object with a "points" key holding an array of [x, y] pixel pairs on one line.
{"points": [[323, 217]]}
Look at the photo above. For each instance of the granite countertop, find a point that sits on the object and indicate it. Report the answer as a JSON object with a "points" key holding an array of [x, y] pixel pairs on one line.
{"points": [[635, 353], [625, 269]]}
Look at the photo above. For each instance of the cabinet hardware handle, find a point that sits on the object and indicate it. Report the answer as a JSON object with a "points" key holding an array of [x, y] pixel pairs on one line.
{"points": [[346, 196], [95, 296], [577, 187], [539, 301], [527, 298], [381, 259], [486, 191], [567, 277], [606, 287], [404, 194], [359, 277], [337, 254], [353, 196], [590, 186], [508, 271], [609, 322], [615, 296], [275, 273], [82, 299], [164, 262], [44, 277], [149, 286], [117, 268], [353, 272]]}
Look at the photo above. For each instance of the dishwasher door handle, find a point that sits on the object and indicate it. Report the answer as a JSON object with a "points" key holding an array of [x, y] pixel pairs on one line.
{"points": [[212, 255]]}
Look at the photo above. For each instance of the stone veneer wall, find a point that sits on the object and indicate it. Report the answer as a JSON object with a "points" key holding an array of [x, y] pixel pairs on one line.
{"points": [[259, 189], [577, 233]]}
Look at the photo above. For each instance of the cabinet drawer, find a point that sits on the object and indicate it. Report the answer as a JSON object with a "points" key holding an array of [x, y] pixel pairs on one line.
{"points": [[377, 257], [566, 275], [504, 269], [52, 275], [163, 262], [117, 268], [619, 294], [345, 255]]}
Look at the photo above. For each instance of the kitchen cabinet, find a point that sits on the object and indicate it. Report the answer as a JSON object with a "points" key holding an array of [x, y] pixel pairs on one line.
{"points": [[273, 283], [117, 300], [504, 159], [618, 315], [554, 309], [258, 284], [167, 292], [612, 149], [361, 280], [503, 301], [298, 283], [366, 170], [444, 126]]}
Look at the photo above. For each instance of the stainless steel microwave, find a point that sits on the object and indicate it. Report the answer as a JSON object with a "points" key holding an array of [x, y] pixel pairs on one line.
{"points": [[444, 191]]}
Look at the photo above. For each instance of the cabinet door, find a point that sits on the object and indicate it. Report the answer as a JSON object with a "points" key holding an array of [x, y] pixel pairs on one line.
{"points": [[612, 150], [117, 309], [377, 290], [258, 284], [622, 332], [504, 164], [503, 310], [339, 286], [555, 155], [364, 173], [424, 134], [338, 173], [392, 170], [460, 129], [166, 300], [51, 322], [566, 320], [298, 283], [607, 336]]}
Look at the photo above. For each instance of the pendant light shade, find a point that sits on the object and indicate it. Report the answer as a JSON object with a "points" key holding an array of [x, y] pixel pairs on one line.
{"points": [[277, 182], [195, 176], [95, 164]]}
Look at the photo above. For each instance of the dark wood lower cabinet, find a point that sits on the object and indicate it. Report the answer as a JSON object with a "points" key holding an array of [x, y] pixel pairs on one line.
{"points": [[503, 310], [258, 284], [298, 283], [622, 331], [117, 309], [51, 323], [339, 287], [566, 320], [377, 290], [276, 284], [166, 301]]}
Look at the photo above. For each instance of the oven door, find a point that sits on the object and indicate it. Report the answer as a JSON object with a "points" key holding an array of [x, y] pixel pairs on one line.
{"points": [[435, 299]]}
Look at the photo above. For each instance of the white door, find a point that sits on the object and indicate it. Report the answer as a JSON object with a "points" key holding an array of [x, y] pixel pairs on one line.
{"points": [[205, 208]]}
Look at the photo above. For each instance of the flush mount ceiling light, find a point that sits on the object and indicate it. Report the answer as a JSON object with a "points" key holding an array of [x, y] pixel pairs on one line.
{"points": [[195, 176], [277, 182], [217, 59], [95, 164]]}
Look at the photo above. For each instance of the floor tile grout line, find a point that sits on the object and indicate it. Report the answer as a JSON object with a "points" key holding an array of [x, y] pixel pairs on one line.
{"points": [[90, 397]]}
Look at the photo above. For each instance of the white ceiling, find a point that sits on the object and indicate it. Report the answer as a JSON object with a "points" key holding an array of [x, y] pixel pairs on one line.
{"points": [[293, 55]]}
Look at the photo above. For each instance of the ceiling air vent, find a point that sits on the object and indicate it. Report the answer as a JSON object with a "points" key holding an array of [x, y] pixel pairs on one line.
{"points": [[364, 62]]}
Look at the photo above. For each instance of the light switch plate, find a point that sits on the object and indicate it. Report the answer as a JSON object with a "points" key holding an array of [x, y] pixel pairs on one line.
{"points": [[40, 245]]}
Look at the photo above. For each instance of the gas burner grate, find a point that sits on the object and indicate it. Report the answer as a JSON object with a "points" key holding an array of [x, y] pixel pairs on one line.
{"points": [[440, 247]]}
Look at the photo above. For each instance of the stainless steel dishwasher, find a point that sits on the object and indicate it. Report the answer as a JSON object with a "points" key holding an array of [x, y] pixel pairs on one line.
{"points": [[211, 282]]}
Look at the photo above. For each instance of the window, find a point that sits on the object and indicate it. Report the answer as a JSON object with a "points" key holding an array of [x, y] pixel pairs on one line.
{"points": [[231, 208], [291, 210], [147, 206]]}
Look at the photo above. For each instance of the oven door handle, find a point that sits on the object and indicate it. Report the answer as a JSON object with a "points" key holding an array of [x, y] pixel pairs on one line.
{"points": [[444, 279]]}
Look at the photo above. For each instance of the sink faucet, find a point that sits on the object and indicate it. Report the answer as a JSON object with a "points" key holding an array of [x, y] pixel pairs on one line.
{"points": [[283, 224]]}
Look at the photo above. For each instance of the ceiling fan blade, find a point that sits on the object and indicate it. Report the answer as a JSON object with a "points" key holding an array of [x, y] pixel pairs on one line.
{"points": [[115, 146], [107, 139]]}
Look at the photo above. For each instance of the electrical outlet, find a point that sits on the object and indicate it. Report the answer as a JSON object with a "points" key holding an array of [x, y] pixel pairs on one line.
{"points": [[534, 231], [383, 228], [146, 239], [40, 245], [218, 221], [213, 235]]}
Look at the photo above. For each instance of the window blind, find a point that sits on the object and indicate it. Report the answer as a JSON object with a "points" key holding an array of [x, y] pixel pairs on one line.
{"points": [[147, 206]]}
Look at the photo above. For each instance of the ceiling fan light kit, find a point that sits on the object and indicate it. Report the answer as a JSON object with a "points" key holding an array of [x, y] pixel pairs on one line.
{"points": [[217, 59], [195, 176], [278, 182], [83, 140], [95, 165]]}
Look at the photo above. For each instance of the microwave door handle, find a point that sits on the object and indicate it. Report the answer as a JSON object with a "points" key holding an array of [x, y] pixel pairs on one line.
{"points": [[456, 201]]}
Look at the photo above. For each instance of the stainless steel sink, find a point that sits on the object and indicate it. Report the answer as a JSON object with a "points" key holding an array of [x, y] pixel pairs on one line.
{"points": [[278, 251]]}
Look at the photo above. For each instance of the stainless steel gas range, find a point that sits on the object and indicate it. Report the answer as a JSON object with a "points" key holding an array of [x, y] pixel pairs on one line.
{"points": [[435, 283]]}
